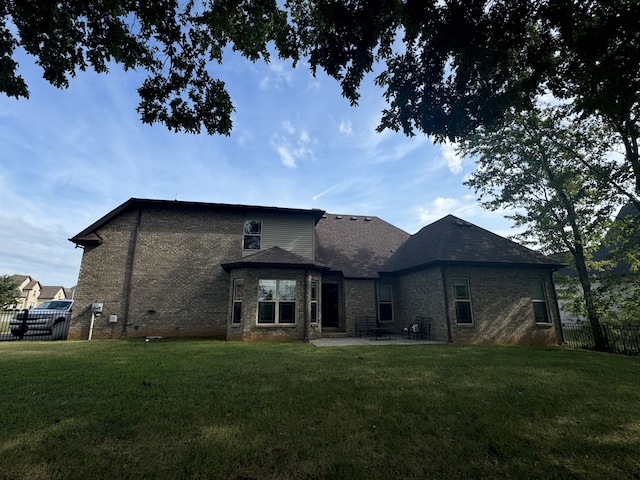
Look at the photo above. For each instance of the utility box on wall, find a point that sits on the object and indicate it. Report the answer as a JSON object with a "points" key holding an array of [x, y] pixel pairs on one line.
{"points": [[97, 307], [113, 319]]}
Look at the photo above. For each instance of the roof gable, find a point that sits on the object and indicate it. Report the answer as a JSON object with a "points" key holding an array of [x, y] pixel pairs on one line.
{"points": [[275, 257], [452, 240], [50, 291]]}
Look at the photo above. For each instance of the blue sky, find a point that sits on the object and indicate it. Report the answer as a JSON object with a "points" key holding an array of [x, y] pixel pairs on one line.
{"points": [[68, 157]]}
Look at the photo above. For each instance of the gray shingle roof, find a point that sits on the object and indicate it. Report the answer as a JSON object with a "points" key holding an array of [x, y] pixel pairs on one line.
{"points": [[356, 246], [452, 240], [273, 257], [49, 291]]}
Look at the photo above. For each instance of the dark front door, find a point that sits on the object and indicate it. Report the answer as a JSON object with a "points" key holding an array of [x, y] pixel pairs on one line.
{"points": [[330, 305]]}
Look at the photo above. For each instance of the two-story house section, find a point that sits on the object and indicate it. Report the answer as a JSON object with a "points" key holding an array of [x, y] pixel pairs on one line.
{"points": [[184, 269], [240, 272]]}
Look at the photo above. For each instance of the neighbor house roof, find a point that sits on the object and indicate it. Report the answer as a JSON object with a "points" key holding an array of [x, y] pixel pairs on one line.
{"points": [[357, 246], [89, 235], [50, 292], [274, 257], [452, 240], [19, 279]]}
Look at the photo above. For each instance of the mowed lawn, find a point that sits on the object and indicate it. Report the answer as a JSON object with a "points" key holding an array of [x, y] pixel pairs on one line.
{"points": [[194, 409]]}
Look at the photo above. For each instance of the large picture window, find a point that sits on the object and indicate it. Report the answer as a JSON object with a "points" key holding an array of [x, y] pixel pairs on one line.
{"points": [[385, 302], [539, 300], [462, 298], [277, 301], [252, 235]]}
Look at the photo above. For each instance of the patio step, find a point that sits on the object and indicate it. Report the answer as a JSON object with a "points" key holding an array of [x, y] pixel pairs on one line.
{"points": [[333, 334]]}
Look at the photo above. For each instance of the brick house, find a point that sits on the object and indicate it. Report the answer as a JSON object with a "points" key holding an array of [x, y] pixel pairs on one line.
{"points": [[173, 268]]}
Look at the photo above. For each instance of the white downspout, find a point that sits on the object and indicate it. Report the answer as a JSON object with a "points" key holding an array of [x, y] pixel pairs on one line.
{"points": [[93, 319]]}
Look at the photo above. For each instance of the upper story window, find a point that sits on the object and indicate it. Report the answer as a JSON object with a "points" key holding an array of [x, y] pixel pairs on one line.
{"points": [[252, 234]]}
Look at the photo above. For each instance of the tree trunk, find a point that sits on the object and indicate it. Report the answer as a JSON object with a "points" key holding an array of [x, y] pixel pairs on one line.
{"points": [[629, 135], [578, 257], [589, 300]]}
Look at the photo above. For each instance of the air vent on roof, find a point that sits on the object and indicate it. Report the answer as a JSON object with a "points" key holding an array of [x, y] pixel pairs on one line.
{"points": [[462, 223], [338, 217], [324, 215], [367, 219], [354, 218]]}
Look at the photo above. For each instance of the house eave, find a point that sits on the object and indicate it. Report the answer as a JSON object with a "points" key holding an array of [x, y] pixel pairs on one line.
{"points": [[468, 263], [78, 239], [300, 266]]}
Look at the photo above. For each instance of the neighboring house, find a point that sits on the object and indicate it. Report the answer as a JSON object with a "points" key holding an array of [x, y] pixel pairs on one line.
{"points": [[32, 293], [29, 291], [51, 293], [173, 268]]}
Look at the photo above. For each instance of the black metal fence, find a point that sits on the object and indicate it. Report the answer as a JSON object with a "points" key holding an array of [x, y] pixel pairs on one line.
{"points": [[624, 339], [33, 325]]}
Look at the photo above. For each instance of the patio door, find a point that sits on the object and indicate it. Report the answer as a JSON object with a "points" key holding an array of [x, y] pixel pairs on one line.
{"points": [[330, 305]]}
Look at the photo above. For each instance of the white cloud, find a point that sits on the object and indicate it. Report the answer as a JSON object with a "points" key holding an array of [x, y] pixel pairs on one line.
{"points": [[278, 73], [345, 127], [453, 161], [287, 156], [293, 146], [465, 206], [289, 128]]}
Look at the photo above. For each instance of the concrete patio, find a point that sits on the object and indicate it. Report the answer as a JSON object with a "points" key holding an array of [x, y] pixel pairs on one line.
{"points": [[352, 341]]}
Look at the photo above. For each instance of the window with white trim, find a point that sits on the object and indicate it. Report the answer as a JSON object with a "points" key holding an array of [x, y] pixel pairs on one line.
{"points": [[252, 234], [277, 301], [539, 301], [314, 301], [385, 302], [238, 291], [462, 299]]}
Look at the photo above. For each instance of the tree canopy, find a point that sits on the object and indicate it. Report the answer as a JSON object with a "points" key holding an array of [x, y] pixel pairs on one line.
{"points": [[9, 292], [447, 67], [177, 44]]}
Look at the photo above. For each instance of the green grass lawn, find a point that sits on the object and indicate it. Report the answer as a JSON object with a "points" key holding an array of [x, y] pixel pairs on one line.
{"points": [[195, 409]]}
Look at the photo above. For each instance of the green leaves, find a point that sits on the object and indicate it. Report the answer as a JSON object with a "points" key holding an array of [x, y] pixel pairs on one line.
{"points": [[175, 43], [446, 68], [9, 292]]}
